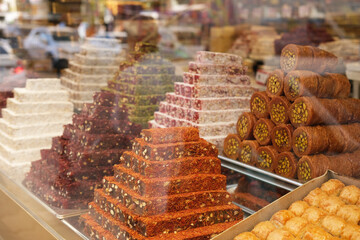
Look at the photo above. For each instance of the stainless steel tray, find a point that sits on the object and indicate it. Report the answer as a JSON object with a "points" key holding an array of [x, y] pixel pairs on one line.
{"points": [[259, 174]]}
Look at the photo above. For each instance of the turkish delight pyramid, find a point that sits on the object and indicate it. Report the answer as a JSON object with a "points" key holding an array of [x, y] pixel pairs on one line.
{"points": [[67, 174], [90, 69], [142, 81], [32, 117], [213, 94], [168, 187]]}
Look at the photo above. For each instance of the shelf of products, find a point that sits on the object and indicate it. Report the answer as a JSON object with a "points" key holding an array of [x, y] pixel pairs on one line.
{"points": [[259, 174]]}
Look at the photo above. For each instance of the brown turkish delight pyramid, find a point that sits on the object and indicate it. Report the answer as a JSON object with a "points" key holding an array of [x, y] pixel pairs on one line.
{"points": [[142, 81], [214, 92], [304, 113], [168, 187], [67, 174]]}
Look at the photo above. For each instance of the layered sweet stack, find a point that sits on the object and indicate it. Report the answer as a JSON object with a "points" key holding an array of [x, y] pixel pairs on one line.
{"points": [[329, 212], [142, 82], [304, 113], [90, 69], [214, 92], [35, 115], [67, 174], [168, 187]]}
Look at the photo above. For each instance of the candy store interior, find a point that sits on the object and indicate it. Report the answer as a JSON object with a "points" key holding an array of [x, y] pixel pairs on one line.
{"points": [[180, 119]]}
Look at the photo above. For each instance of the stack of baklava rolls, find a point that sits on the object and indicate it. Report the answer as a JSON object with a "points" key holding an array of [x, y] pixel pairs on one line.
{"points": [[304, 123], [329, 212]]}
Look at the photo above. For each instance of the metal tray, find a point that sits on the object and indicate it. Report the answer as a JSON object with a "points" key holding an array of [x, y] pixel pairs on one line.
{"points": [[260, 174]]}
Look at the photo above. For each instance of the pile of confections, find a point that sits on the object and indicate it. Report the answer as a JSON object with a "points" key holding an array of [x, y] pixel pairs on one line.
{"points": [[142, 81], [33, 116], [329, 212], [168, 187], [255, 194], [67, 174], [304, 113], [214, 92], [88, 72]]}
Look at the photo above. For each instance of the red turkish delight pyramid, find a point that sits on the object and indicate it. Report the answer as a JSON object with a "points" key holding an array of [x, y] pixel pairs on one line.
{"points": [[67, 174], [168, 187], [214, 92]]}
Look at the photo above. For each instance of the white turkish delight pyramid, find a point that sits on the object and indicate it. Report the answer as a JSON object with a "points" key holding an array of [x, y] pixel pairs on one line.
{"points": [[90, 69], [214, 92], [31, 119]]}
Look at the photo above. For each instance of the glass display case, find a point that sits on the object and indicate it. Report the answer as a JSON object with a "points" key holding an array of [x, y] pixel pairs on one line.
{"points": [[174, 119]]}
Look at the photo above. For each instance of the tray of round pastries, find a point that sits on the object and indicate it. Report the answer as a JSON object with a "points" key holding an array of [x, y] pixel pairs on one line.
{"points": [[327, 207]]}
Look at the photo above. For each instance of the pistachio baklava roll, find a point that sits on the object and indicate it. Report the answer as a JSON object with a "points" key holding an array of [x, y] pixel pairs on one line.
{"points": [[300, 83], [307, 111], [278, 110], [262, 131], [286, 165], [310, 167], [245, 126], [275, 83], [266, 158], [259, 104], [282, 137], [231, 146], [296, 57], [248, 151]]}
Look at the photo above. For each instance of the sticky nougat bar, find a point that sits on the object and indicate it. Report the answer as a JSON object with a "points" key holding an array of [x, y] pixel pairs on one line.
{"points": [[216, 69], [158, 205], [212, 91], [168, 223], [103, 126], [94, 158], [121, 231], [101, 112], [101, 141], [150, 69], [209, 104], [198, 79], [51, 196], [58, 144], [141, 99], [146, 79], [140, 89], [162, 152], [167, 186], [170, 135], [177, 167], [217, 58], [202, 117], [78, 173], [106, 99]]}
